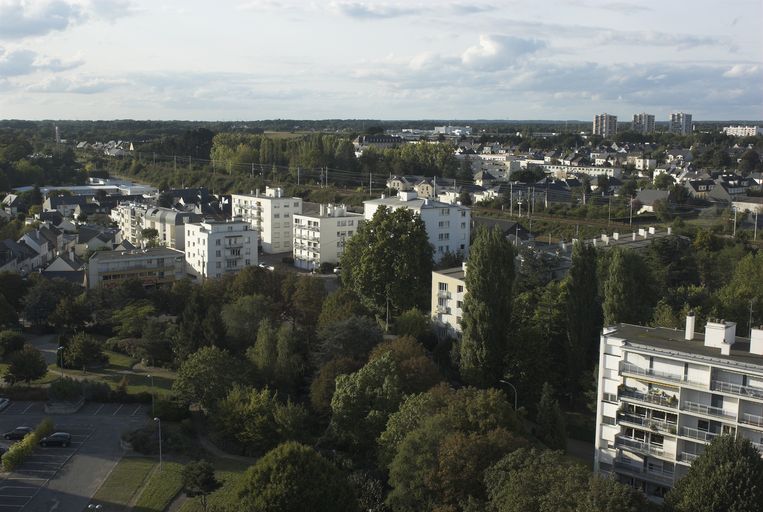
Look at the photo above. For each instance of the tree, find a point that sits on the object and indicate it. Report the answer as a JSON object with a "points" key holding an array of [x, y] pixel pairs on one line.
{"points": [[583, 313], [487, 308], [388, 263], [414, 323], [198, 478], [324, 384], [206, 376], [416, 371], [353, 338], [242, 318], [10, 341], [42, 298], [8, 316], [26, 365], [151, 236], [307, 302], [295, 477], [339, 306], [550, 420], [727, 476], [83, 351]]}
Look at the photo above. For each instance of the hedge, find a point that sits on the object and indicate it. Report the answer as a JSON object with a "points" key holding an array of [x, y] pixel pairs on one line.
{"points": [[19, 451]]}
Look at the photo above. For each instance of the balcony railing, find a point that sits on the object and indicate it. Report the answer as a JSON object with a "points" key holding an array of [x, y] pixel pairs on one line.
{"points": [[658, 475], [660, 425], [652, 398], [751, 419], [700, 435], [736, 389], [687, 457], [707, 410], [638, 446], [443, 294]]}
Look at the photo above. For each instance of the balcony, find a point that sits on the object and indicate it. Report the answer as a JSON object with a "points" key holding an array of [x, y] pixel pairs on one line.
{"points": [[662, 476], [687, 457], [650, 398], [659, 425], [443, 294], [736, 389], [632, 369], [699, 435], [751, 419], [634, 445], [707, 410]]}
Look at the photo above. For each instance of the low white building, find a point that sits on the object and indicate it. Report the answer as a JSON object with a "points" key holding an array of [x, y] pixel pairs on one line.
{"points": [[448, 226], [743, 131], [270, 215], [213, 248], [664, 394], [320, 238]]}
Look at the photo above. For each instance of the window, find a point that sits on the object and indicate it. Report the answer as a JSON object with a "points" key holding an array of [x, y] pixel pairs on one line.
{"points": [[459, 304], [463, 213], [296, 204], [350, 222], [443, 287], [276, 215], [459, 288], [218, 265], [218, 242], [217, 253], [248, 262]]}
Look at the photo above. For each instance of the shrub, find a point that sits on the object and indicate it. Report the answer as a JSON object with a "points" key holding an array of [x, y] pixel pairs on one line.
{"points": [[170, 410], [19, 451], [143, 440], [10, 341], [96, 391], [65, 389]]}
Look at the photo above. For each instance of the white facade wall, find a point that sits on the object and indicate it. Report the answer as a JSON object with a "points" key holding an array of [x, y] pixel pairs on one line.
{"points": [[448, 291], [270, 215], [743, 131], [321, 238], [448, 226], [214, 248]]}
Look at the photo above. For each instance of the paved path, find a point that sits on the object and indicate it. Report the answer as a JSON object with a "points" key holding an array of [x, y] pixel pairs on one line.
{"points": [[47, 344]]}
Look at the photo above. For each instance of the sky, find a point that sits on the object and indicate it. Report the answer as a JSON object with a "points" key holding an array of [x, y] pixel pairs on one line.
{"points": [[442, 59]]}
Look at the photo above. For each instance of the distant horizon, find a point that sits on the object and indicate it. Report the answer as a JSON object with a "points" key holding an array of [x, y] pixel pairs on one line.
{"points": [[355, 119]]}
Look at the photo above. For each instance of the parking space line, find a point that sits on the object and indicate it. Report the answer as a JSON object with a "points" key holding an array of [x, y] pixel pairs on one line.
{"points": [[136, 411], [118, 408], [27, 408], [99, 410]]}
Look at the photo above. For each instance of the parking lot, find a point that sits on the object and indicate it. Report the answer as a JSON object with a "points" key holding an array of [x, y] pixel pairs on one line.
{"points": [[63, 479]]}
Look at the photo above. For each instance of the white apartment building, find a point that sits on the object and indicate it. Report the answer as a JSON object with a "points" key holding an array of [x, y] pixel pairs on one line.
{"points": [[270, 215], [448, 290], [321, 238], [604, 125], [663, 394], [133, 218], [154, 267], [680, 123], [448, 225], [743, 131], [214, 248], [643, 123]]}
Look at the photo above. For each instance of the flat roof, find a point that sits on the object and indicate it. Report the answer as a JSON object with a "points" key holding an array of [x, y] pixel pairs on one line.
{"points": [[417, 202], [155, 252], [454, 272], [673, 340]]}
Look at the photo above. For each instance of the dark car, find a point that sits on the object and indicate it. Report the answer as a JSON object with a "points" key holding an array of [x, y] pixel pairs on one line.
{"points": [[57, 439], [17, 433]]}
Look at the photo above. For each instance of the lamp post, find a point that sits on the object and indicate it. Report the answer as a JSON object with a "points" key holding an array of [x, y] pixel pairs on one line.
{"points": [[516, 395], [153, 396], [160, 442], [60, 355]]}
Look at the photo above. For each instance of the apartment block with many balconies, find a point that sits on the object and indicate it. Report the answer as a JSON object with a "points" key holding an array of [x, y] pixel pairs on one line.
{"points": [[448, 291], [214, 248], [320, 238], [270, 215], [664, 394]]}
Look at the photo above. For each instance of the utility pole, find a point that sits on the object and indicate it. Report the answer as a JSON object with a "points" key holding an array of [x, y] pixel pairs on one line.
{"points": [[370, 183], [511, 198], [735, 224], [609, 208], [297, 176], [755, 228], [630, 221], [751, 301]]}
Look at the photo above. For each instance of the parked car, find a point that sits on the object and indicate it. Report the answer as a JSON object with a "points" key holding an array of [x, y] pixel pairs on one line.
{"points": [[17, 433], [4, 402], [57, 439]]}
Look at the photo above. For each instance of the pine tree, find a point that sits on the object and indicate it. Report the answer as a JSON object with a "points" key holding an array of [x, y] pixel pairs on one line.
{"points": [[487, 308], [616, 297], [550, 420]]}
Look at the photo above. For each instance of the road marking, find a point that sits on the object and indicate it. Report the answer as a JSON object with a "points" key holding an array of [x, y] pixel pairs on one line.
{"points": [[99, 410], [28, 407], [136, 411], [115, 412]]}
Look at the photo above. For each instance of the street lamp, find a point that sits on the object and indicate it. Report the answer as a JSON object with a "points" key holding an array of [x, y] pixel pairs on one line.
{"points": [[160, 442], [152, 394], [516, 395], [60, 355]]}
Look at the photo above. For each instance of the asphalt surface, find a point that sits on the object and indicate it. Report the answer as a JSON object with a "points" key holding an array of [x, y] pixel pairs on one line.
{"points": [[57, 479]]}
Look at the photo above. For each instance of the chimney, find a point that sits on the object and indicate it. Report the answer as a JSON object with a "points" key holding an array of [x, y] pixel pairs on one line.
{"points": [[720, 335], [616, 235], [756, 341], [690, 320]]}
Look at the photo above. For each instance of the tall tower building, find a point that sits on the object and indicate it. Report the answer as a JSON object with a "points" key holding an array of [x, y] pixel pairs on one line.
{"points": [[643, 123], [680, 123], [604, 125]]}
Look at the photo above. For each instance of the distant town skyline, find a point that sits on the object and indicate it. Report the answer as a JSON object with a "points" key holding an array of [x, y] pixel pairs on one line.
{"points": [[459, 59]]}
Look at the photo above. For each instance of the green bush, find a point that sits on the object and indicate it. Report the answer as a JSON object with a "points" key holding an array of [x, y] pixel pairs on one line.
{"points": [[170, 410], [10, 341], [19, 451], [65, 389]]}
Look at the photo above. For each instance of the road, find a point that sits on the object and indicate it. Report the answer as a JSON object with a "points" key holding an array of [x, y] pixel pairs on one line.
{"points": [[64, 479]]}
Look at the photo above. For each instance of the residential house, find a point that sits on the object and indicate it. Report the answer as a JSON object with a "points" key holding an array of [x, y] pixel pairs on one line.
{"points": [[648, 197], [11, 204], [214, 248], [729, 187], [270, 215], [699, 189], [320, 238], [448, 291]]}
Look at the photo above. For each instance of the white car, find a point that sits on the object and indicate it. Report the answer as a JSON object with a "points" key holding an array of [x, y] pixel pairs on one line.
{"points": [[4, 402]]}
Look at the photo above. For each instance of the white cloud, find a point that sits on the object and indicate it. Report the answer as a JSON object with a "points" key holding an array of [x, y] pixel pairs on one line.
{"points": [[22, 61], [740, 70], [78, 84], [498, 51]]}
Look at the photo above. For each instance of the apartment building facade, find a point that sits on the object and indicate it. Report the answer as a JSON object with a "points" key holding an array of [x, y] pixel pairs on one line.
{"points": [[664, 394], [448, 291], [133, 218], [270, 214], [604, 125], [321, 238], [680, 123], [154, 267], [214, 248], [448, 225], [643, 123], [743, 131]]}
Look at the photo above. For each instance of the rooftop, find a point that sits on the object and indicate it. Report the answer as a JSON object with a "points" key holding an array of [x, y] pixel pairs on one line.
{"points": [[672, 340], [454, 272], [153, 252]]}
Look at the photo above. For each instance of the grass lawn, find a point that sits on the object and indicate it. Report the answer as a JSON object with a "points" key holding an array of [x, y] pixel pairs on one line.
{"points": [[119, 367], [161, 488], [124, 481], [228, 472]]}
